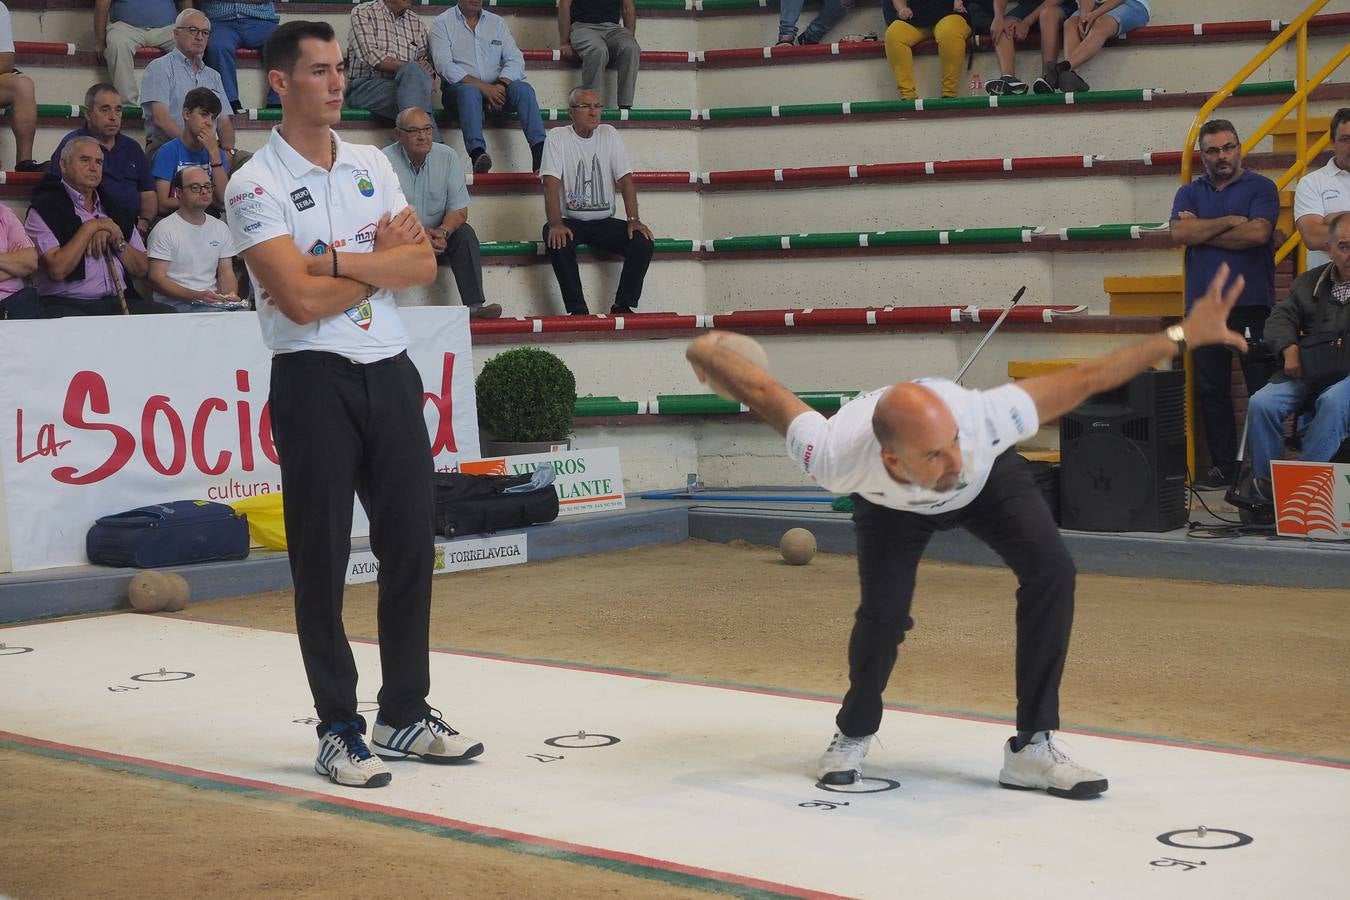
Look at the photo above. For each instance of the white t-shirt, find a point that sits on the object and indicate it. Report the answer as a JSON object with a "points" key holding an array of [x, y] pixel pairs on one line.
{"points": [[193, 251], [1322, 192], [279, 193], [6, 30], [843, 455], [587, 168]]}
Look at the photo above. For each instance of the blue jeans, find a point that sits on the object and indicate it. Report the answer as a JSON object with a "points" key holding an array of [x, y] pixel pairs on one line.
{"points": [[469, 101], [789, 11], [409, 88], [1271, 405], [227, 36]]}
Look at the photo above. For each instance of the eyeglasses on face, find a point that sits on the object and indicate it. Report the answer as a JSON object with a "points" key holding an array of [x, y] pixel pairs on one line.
{"points": [[1225, 150], [200, 188], [195, 31], [425, 129], [586, 105]]}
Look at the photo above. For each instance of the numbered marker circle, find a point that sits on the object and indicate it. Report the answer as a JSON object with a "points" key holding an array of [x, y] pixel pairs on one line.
{"points": [[582, 741], [14, 651], [862, 786], [1214, 839], [162, 676]]}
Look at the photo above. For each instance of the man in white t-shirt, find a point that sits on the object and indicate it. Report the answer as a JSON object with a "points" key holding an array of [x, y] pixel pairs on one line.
{"points": [[328, 237], [928, 455], [191, 253], [582, 166], [1324, 192]]}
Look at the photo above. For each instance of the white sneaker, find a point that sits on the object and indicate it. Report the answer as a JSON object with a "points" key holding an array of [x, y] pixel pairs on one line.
{"points": [[1045, 766], [345, 759], [429, 738], [842, 761]]}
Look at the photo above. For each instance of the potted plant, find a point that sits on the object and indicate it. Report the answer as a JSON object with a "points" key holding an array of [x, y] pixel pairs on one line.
{"points": [[525, 399]]}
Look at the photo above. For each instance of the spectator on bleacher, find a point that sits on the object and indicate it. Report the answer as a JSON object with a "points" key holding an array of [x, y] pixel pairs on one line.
{"points": [[126, 171], [596, 31], [482, 69], [583, 164], [1226, 217], [1324, 192], [16, 92], [388, 62], [245, 23], [87, 245], [191, 254], [121, 27], [18, 260], [1013, 25], [168, 79], [909, 23], [789, 11], [1085, 33], [1318, 302], [432, 178], [198, 146]]}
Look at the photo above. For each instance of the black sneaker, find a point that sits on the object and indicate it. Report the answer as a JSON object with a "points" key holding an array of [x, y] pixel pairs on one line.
{"points": [[1070, 81], [485, 311], [618, 310], [237, 106], [536, 157], [29, 165], [482, 163], [1006, 84], [1212, 479]]}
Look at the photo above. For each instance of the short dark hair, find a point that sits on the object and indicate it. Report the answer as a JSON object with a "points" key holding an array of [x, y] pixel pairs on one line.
{"points": [[202, 98], [1341, 116], [282, 49], [92, 94], [1217, 126]]}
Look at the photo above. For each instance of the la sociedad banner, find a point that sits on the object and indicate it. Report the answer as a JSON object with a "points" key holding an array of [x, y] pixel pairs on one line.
{"points": [[105, 414]]}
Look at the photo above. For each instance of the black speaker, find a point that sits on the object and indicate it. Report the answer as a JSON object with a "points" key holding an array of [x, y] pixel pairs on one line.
{"points": [[1123, 457]]}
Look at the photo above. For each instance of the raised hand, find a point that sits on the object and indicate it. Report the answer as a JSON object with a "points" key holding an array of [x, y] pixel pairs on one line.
{"points": [[1207, 322]]}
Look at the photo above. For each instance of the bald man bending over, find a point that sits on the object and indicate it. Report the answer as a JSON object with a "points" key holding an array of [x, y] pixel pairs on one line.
{"points": [[928, 455]]}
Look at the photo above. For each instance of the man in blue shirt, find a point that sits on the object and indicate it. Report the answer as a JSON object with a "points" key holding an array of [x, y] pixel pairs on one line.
{"points": [[1226, 216], [198, 146], [245, 23], [482, 68], [126, 173], [168, 79], [121, 27]]}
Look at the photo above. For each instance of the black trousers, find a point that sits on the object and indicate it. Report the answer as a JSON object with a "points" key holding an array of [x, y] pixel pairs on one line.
{"points": [[1010, 516], [57, 307], [607, 234], [464, 259], [22, 304], [343, 429], [1213, 387]]}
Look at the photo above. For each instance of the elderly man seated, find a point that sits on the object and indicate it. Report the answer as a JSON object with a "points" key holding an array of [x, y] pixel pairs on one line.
{"points": [[388, 64], [168, 79], [88, 246], [191, 253], [432, 179], [1318, 304]]}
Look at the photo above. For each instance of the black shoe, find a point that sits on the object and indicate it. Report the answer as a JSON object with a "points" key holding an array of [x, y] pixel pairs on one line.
{"points": [[578, 312], [482, 163], [618, 310], [1070, 82], [536, 156], [29, 165], [485, 311], [237, 106], [1214, 478]]}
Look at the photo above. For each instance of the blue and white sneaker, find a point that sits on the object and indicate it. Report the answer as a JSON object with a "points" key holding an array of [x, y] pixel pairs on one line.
{"points": [[346, 760], [429, 738]]}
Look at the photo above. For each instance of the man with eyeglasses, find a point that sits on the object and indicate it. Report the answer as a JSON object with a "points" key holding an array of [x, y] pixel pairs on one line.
{"points": [[1324, 192], [432, 178], [245, 24], [168, 79], [198, 146], [1226, 217], [388, 63], [191, 254], [121, 27], [583, 164]]}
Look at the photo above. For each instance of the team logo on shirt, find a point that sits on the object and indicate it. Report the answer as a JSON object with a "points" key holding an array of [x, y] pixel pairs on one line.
{"points": [[302, 199], [366, 235], [318, 248], [362, 314], [364, 184]]}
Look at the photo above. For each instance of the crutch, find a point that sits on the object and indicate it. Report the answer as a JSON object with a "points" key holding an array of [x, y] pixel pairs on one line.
{"points": [[117, 284], [1018, 296]]}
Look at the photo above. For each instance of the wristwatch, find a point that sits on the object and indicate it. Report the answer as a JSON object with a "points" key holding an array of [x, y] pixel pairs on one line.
{"points": [[121, 246], [1177, 335]]}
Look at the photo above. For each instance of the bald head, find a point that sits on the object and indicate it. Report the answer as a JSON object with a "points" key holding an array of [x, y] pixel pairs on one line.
{"points": [[919, 437]]}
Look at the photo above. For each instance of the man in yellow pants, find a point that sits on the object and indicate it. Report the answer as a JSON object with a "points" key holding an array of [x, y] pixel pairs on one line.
{"points": [[911, 21]]}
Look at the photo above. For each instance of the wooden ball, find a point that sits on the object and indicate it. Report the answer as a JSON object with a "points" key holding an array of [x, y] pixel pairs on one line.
{"points": [[149, 591], [797, 547], [179, 592], [746, 348]]}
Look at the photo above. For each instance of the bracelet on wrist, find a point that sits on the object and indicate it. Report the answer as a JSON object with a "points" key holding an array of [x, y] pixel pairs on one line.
{"points": [[335, 269]]}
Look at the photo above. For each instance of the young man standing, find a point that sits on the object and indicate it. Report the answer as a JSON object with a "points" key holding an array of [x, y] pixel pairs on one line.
{"points": [[346, 400]]}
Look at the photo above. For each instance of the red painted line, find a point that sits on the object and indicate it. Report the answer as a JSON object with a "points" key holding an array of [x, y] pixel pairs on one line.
{"points": [[428, 818], [738, 54], [590, 499], [812, 173], [741, 176], [506, 179], [664, 178], [1046, 163], [944, 166], [42, 48], [862, 48], [891, 170], [847, 316]]}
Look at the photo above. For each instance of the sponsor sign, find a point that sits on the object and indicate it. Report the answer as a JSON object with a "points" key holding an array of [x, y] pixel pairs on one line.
{"points": [[461, 555], [588, 480], [106, 414], [1312, 500]]}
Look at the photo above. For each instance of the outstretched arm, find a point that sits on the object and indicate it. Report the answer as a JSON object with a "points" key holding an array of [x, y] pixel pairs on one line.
{"points": [[745, 381]]}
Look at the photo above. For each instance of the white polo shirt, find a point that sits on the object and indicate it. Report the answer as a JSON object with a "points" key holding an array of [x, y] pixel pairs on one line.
{"points": [[1322, 192], [279, 193], [843, 455]]}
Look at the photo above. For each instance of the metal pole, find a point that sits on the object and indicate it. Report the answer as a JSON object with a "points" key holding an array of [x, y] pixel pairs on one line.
{"points": [[1018, 296]]}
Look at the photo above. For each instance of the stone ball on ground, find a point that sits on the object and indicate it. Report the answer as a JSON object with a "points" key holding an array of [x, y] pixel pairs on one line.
{"points": [[746, 348], [179, 592], [150, 591], [797, 547]]}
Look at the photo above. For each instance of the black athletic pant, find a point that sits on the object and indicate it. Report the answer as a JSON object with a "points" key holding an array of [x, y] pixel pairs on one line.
{"points": [[1213, 366], [607, 234], [343, 429], [1010, 516]]}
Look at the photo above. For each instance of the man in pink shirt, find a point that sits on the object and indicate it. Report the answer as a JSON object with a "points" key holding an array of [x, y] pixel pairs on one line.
{"points": [[88, 246], [18, 260]]}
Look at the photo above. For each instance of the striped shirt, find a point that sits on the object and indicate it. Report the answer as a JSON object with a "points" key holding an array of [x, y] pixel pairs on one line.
{"points": [[217, 10], [376, 33]]}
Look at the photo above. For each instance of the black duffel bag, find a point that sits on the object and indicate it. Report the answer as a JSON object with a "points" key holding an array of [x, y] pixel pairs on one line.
{"points": [[477, 504], [1324, 357], [179, 533]]}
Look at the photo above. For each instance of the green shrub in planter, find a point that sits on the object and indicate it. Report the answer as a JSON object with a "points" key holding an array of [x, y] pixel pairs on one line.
{"points": [[524, 395]]}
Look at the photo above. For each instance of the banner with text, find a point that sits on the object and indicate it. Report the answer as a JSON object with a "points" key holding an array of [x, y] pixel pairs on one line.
{"points": [[460, 555], [1312, 500], [101, 415], [588, 480]]}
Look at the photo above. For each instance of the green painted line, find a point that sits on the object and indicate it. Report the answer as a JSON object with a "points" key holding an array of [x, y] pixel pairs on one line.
{"points": [[604, 406], [987, 235], [866, 107], [825, 240], [515, 248], [741, 112], [937, 104], [1261, 88], [695, 405], [747, 242], [918, 237], [796, 110], [699, 404], [1114, 232]]}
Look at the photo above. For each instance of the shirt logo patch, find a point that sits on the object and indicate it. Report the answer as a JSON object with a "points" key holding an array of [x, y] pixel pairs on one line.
{"points": [[362, 314], [249, 229], [366, 235], [318, 248], [302, 199], [364, 184]]}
